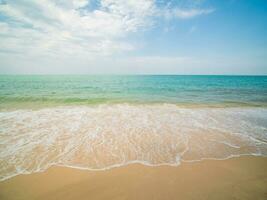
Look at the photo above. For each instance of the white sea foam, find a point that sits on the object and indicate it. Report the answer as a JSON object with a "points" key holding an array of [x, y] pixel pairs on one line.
{"points": [[107, 136]]}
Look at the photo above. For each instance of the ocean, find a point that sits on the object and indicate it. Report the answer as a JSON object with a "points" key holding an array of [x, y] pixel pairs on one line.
{"points": [[52, 90], [100, 122]]}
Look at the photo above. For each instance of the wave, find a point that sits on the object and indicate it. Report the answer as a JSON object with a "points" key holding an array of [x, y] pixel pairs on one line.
{"points": [[106, 136], [38, 102]]}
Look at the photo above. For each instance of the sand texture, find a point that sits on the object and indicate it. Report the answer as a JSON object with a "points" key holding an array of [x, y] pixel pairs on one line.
{"points": [[237, 178]]}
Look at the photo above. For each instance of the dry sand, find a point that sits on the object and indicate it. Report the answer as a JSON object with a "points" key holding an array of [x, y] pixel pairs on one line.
{"points": [[237, 178]]}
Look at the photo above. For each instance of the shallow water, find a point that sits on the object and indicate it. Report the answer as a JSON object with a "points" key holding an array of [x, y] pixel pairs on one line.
{"points": [[104, 136], [100, 122]]}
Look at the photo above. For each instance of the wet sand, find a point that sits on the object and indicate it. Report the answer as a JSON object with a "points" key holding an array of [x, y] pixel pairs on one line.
{"points": [[236, 178]]}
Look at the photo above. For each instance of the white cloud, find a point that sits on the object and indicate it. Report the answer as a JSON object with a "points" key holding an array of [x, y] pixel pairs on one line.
{"points": [[79, 3], [4, 28], [77, 29], [186, 13], [191, 13], [59, 26]]}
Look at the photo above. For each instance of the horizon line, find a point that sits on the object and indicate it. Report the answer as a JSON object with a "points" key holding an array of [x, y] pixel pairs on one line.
{"points": [[118, 74]]}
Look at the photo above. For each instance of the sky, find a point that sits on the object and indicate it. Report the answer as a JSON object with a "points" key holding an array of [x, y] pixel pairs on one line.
{"points": [[133, 37]]}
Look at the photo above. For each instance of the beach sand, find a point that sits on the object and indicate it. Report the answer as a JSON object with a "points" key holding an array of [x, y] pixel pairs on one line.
{"points": [[236, 178]]}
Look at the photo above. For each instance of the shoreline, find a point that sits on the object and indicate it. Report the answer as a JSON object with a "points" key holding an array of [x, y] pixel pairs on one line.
{"points": [[246, 175], [135, 162]]}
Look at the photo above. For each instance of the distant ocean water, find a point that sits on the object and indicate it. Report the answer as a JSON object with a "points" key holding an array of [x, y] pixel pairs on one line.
{"points": [[100, 122], [43, 91]]}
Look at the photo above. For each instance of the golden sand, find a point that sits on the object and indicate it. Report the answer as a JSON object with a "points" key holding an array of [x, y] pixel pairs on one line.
{"points": [[237, 178]]}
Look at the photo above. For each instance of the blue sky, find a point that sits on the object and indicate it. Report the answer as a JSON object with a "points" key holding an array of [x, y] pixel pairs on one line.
{"points": [[133, 36]]}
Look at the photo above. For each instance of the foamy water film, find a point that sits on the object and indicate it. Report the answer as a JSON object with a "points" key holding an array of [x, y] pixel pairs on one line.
{"points": [[105, 136]]}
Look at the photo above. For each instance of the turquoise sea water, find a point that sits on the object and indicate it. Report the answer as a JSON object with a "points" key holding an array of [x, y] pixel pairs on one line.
{"points": [[101, 122], [48, 90]]}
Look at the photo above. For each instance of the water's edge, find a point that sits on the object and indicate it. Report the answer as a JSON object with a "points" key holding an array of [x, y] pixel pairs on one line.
{"points": [[131, 163], [108, 136]]}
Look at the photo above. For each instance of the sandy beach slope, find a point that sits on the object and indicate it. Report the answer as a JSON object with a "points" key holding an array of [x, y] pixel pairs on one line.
{"points": [[236, 178]]}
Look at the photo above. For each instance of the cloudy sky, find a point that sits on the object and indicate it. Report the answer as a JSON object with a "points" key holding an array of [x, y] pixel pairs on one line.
{"points": [[133, 36]]}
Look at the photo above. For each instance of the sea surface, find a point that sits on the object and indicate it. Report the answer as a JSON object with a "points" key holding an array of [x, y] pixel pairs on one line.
{"points": [[43, 91], [100, 122]]}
